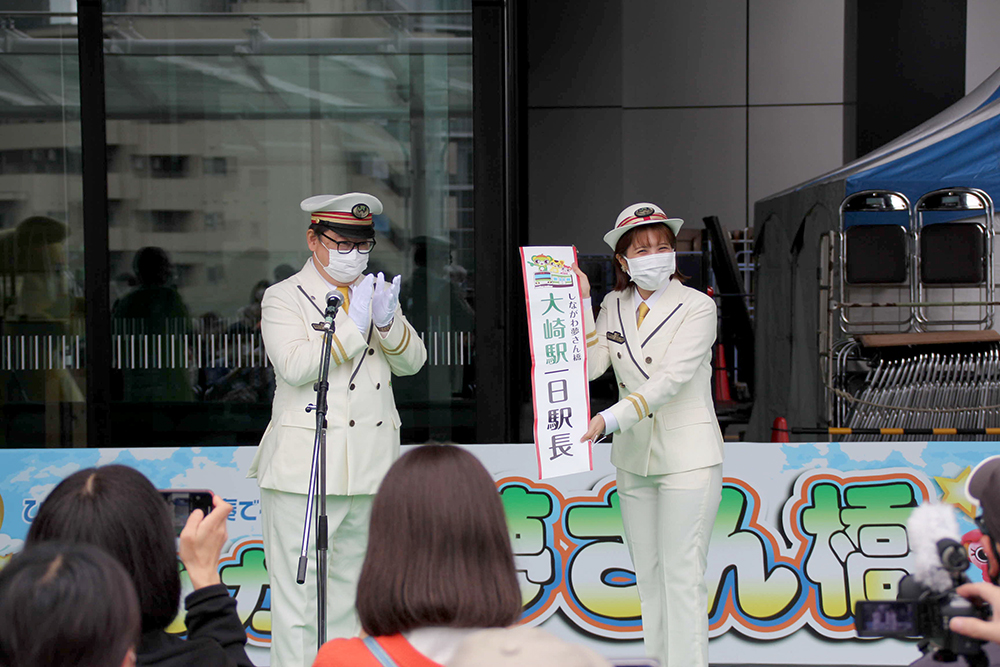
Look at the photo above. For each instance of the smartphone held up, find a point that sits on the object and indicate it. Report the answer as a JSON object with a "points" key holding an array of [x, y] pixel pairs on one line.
{"points": [[181, 502]]}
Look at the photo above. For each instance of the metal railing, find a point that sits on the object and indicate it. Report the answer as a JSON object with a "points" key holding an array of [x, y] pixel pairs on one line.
{"points": [[188, 349], [930, 391]]}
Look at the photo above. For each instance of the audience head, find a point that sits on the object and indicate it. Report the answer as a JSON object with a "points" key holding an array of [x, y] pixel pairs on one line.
{"points": [[116, 508], [257, 293], [522, 647], [438, 548], [152, 266], [57, 609], [283, 271]]}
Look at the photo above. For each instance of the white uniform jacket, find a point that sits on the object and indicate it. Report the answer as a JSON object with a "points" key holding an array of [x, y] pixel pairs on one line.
{"points": [[665, 411], [362, 438]]}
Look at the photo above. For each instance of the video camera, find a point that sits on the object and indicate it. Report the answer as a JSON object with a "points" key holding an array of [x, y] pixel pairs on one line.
{"points": [[926, 601]]}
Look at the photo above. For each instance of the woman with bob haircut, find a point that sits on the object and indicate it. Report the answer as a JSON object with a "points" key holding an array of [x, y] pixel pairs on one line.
{"points": [[117, 509], [56, 609], [657, 334], [439, 564]]}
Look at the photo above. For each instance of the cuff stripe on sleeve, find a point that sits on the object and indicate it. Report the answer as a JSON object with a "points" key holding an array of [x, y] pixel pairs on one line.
{"points": [[635, 404], [403, 344], [343, 352], [645, 405]]}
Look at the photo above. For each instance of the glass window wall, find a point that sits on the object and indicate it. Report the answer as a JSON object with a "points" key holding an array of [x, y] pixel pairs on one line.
{"points": [[221, 118], [42, 347]]}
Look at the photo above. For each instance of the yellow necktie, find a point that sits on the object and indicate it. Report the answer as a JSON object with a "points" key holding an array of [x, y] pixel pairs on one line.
{"points": [[347, 297], [641, 314]]}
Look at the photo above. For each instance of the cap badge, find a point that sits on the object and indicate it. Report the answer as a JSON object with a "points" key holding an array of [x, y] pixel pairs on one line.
{"points": [[360, 211], [643, 212]]}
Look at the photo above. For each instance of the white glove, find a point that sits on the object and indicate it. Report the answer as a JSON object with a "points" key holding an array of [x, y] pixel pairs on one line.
{"points": [[359, 309], [385, 300]]}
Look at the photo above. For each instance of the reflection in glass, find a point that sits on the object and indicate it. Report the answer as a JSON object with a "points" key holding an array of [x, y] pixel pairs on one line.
{"points": [[151, 323], [219, 127], [42, 351]]}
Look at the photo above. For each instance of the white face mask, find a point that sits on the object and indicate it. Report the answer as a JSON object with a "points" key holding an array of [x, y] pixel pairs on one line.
{"points": [[345, 268], [651, 272]]}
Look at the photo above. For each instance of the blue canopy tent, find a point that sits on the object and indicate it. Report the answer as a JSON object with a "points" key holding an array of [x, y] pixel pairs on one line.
{"points": [[960, 147]]}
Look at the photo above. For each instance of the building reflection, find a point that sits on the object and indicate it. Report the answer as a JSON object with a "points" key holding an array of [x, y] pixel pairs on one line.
{"points": [[216, 128]]}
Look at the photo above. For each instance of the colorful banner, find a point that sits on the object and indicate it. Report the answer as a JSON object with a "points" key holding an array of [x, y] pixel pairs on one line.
{"points": [[803, 532], [559, 384]]}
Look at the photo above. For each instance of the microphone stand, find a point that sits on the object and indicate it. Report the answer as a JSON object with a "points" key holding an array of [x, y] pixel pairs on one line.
{"points": [[317, 475]]}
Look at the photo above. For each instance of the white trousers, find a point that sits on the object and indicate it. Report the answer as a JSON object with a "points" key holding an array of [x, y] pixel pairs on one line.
{"points": [[668, 523], [293, 606]]}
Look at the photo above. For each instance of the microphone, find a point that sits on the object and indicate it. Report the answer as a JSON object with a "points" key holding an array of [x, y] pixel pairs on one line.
{"points": [[334, 300], [936, 545]]}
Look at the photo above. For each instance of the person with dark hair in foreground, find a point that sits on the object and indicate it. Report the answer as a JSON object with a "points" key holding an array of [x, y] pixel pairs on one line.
{"points": [[56, 609], [116, 508], [439, 564]]}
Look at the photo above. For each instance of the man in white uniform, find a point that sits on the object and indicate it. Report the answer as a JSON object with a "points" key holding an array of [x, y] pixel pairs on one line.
{"points": [[372, 342]]}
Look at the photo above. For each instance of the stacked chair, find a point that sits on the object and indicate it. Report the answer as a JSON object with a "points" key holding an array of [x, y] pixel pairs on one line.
{"points": [[909, 341]]}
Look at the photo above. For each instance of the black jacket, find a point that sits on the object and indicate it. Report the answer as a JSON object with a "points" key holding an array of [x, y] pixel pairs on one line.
{"points": [[216, 637], [991, 650]]}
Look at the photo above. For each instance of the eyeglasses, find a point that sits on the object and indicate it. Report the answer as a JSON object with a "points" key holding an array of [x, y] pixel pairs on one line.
{"points": [[345, 247]]}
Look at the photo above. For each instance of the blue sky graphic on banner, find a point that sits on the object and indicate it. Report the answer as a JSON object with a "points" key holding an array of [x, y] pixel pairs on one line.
{"points": [[29, 475]]}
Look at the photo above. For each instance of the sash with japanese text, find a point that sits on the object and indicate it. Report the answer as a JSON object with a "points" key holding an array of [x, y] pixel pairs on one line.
{"points": [[560, 394]]}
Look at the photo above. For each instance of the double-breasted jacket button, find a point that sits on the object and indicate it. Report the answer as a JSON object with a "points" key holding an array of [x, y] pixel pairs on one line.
{"points": [[649, 360], [621, 384], [352, 422], [379, 424], [378, 385], [371, 350], [619, 355], [650, 415], [352, 386]]}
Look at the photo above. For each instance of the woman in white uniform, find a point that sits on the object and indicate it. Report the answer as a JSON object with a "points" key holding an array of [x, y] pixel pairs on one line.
{"points": [[657, 335]]}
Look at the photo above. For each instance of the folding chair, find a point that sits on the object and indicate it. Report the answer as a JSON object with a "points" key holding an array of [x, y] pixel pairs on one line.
{"points": [[875, 251], [954, 250]]}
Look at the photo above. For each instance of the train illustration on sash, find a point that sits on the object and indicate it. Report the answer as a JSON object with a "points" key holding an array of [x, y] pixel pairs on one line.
{"points": [[551, 272]]}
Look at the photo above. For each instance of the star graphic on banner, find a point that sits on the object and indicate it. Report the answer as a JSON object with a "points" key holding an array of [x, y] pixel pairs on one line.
{"points": [[954, 492]]}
